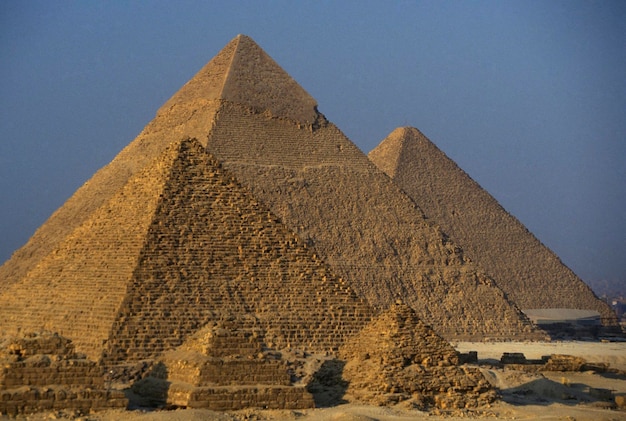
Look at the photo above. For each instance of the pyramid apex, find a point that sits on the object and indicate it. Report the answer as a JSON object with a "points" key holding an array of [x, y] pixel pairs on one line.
{"points": [[243, 73], [405, 132]]}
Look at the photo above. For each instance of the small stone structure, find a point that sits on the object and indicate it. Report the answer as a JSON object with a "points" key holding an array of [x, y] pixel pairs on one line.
{"points": [[41, 371], [399, 358], [225, 367]]}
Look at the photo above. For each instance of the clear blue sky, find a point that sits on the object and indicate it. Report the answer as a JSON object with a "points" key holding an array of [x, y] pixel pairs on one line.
{"points": [[528, 97]]}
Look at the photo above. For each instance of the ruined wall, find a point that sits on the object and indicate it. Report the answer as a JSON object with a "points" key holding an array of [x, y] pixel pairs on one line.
{"points": [[41, 371], [399, 358], [224, 366]]}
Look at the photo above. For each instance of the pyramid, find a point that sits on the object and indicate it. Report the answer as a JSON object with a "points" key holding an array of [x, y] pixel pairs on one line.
{"points": [[399, 358], [266, 131], [224, 367], [180, 245], [527, 271]]}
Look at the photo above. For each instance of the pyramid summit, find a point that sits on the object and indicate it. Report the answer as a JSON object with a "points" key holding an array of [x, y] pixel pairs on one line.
{"points": [[530, 273], [243, 73], [240, 197]]}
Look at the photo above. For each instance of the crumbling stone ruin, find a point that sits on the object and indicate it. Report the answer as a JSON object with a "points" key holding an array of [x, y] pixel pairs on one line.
{"points": [[529, 273], [225, 366], [399, 358], [554, 362], [40, 371]]}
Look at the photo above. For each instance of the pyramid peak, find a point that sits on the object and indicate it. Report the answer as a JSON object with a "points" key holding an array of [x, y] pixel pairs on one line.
{"points": [[389, 153], [243, 73], [405, 132]]}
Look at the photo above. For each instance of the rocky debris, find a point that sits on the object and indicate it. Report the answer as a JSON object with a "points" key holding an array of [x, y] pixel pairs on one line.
{"points": [[554, 362]]}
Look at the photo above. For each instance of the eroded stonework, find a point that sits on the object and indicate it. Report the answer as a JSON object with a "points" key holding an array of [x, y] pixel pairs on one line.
{"points": [[530, 273], [398, 358], [40, 371], [224, 366]]}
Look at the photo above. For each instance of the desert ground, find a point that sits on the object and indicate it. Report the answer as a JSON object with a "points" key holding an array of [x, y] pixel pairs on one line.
{"points": [[523, 395]]}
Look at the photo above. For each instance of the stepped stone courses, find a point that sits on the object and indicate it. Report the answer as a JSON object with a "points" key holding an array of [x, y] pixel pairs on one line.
{"points": [[322, 186], [188, 245], [527, 271], [238, 223], [399, 358], [41, 372], [223, 367]]}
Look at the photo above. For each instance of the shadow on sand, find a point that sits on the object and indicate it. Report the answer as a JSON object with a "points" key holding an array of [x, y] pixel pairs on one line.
{"points": [[328, 387]]}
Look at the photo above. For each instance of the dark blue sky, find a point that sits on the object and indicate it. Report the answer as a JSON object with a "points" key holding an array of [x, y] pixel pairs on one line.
{"points": [[528, 97]]}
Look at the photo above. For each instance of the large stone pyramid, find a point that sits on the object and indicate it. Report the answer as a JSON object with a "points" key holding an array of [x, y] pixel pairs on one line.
{"points": [[530, 273], [181, 244], [266, 131]]}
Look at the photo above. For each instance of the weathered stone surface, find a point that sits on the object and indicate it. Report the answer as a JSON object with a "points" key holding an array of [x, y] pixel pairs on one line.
{"points": [[125, 256], [223, 367], [41, 371], [530, 273], [323, 187], [399, 358], [182, 244]]}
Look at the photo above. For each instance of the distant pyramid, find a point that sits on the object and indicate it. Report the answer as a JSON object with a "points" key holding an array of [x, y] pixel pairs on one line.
{"points": [[265, 129], [180, 245], [530, 273]]}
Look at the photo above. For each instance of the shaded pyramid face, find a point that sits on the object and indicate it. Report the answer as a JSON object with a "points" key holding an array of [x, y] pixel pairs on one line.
{"points": [[266, 131], [531, 274], [180, 245]]}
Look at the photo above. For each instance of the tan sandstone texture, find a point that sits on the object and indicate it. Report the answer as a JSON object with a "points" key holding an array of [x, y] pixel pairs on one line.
{"points": [[398, 358], [240, 201], [222, 367], [41, 371], [181, 245], [527, 271]]}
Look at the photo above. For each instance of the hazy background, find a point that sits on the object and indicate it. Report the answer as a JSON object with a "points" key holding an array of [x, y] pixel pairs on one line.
{"points": [[528, 97]]}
